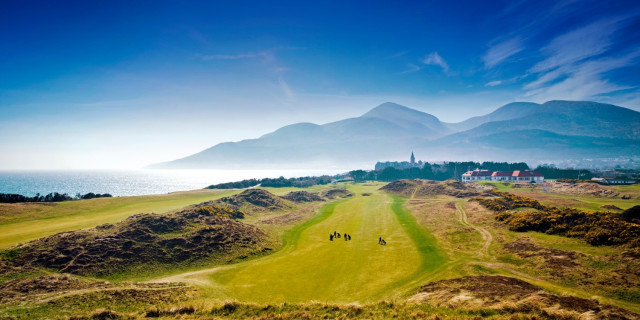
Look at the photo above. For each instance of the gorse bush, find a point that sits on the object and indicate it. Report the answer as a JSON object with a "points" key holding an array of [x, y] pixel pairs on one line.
{"points": [[506, 201], [596, 228], [218, 211]]}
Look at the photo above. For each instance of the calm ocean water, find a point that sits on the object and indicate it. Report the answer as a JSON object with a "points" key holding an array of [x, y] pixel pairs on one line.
{"points": [[132, 182]]}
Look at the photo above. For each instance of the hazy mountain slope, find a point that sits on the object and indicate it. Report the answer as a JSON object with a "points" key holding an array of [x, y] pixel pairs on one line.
{"points": [[556, 129], [570, 118], [387, 130], [530, 146], [536, 139], [509, 111]]}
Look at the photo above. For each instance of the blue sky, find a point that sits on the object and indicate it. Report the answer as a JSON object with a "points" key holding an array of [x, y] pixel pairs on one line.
{"points": [[121, 84]]}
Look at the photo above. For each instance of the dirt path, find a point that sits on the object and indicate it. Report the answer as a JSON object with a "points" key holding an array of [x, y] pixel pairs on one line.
{"points": [[187, 277], [63, 294], [486, 235]]}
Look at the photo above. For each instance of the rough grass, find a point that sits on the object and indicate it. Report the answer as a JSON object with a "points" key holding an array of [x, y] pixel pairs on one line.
{"points": [[23, 222]]}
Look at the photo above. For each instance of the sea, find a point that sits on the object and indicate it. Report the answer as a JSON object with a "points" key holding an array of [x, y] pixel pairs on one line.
{"points": [[133, 182]]}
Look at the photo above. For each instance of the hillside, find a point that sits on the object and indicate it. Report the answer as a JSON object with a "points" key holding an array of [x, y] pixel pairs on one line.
{"points": [[507, 112], [378, 132], [391, 131], [576, 118]]}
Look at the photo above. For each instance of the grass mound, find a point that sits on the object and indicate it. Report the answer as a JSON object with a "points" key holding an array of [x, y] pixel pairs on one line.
{"points": [[511, 295], [611, 207], [419, 187], [255, 200], [145, 239], [302, 196], [336, 193], [592, 189]]}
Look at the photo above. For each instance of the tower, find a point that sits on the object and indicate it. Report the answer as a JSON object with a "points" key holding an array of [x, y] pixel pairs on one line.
{"points": [[413, 158]]}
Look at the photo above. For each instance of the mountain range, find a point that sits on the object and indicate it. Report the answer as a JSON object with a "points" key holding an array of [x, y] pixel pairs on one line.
{"points": [[519, 131]]}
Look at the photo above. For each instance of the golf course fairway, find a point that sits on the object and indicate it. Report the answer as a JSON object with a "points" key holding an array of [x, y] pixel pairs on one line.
{"points": [[310, 267]]}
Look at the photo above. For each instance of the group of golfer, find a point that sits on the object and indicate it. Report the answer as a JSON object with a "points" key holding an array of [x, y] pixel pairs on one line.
{"points": [[336, 235], [346, 237]]}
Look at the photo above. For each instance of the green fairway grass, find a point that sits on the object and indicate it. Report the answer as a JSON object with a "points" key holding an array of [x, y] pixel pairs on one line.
{"points": [[310, 267], [40, 219]]}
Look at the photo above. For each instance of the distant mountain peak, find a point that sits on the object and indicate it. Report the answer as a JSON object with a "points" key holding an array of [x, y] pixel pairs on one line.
{"points": [[521, 131], [386, 108]]}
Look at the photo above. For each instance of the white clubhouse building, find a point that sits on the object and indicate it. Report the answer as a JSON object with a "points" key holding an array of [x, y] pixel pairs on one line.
{"points": [[511, 176]]}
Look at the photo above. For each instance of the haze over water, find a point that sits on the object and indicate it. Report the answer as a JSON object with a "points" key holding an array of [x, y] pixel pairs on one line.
{"points": [[132, 182]]}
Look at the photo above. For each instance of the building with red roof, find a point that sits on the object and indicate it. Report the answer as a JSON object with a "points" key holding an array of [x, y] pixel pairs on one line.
{"points": [[501, 175], [477, 175], [515, 176]]}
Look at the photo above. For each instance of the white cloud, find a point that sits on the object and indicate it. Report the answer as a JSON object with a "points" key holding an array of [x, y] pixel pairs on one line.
{"points": [[493, 83], [501, 51], [577, 45], [435, 59]]}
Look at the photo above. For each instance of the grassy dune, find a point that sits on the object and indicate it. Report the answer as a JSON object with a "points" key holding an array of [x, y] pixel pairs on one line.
{"points": [[312, 268], [429, 238], [23, 222]]}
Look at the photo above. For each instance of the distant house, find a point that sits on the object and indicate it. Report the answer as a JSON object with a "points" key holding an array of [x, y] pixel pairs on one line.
{"points": [[477, 175], [527, 176], [514, 176]]}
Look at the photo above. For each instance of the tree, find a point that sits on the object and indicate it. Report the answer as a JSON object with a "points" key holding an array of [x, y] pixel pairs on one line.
{"points": [[358, 175]]}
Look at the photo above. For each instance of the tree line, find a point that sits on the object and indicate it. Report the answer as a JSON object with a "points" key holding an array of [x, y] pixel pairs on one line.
{"points": [[454, 170], [439, 172], [555, 173], [429, 171], [280, 182], [51, 197]]}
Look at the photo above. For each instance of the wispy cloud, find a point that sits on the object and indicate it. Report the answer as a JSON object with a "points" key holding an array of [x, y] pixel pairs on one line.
{"points": [[500, 51], [579, 82], [287, 90], [399, 54], [493, 83], [577, 45], [268, 58], [266, 54], [411, 68], [435, 59], [575, 66]]}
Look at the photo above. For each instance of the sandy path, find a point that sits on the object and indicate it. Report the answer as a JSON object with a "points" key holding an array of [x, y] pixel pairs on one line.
{"points": [[486, 235]]}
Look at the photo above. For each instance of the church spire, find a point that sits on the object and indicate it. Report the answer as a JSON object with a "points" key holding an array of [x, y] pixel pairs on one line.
{"points": [[413, 158]]}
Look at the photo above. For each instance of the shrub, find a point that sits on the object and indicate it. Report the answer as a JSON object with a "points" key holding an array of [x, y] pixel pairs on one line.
{"points": [[599, 228], [221, 212]]}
